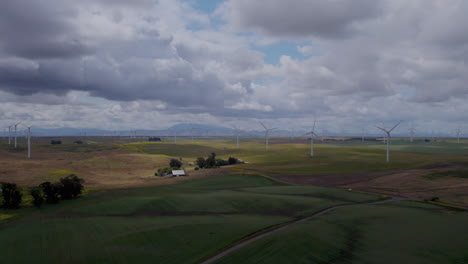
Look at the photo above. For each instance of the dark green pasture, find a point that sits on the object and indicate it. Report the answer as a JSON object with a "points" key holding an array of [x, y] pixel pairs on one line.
{"points": [[399, 232], [181, 223]]}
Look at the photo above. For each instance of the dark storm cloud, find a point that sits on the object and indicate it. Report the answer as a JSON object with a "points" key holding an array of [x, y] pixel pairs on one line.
{"points": [[299, 18], [39, 29], [43, 51]]}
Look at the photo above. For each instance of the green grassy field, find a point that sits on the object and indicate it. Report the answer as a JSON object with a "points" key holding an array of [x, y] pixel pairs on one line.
{"points": [[401, 232], [192, 220], [333, 157], [180, 223]]}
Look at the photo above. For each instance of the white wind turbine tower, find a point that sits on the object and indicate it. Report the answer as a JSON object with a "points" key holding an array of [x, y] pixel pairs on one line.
{"points": [[237, 131], [458, 131], [9, 134], [292, 134], [29, 141], [312, 135], [388, 138], [192, 128], [16, 125], [412, 130], [267, 130]]}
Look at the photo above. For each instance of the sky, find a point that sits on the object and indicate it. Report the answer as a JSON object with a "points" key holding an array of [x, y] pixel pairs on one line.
{"points": [[150, 64]]}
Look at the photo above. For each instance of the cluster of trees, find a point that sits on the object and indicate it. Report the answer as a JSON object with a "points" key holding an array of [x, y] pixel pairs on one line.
{"points": [[67, 188], [212, 162], [174, 164], [12, 196]]}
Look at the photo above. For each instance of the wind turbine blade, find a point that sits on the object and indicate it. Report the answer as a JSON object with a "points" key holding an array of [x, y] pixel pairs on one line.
{"points": [[263, 125], [307, 134], [394, 126], [313, 128], [383, 129]]}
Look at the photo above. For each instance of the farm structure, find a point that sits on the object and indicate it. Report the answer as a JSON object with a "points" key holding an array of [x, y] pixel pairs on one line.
{"points": [[177, 173]]}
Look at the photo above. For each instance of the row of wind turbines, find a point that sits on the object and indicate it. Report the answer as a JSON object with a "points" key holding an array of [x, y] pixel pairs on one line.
{"points": [[12, 134], [312, 135]]}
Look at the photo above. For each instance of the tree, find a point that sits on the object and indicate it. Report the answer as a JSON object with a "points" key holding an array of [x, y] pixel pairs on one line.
{"points": [[12, 197], [38, 200], [51, 191], [201, 162], [211, 160], [72, 186], [221, 162], [232, 161], [175, 163]]}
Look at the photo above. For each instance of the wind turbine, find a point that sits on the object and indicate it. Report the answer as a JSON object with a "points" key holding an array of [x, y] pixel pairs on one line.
{"points": [[16, 125], [412, 130], [9, 134], [192, 128], [29, 141], [312, 135], [267, 130], [388, 138], [292, 134], [458, 131], [238, 131]]}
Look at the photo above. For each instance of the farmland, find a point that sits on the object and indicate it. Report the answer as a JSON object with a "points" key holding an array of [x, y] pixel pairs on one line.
{"points": [[404, 232], [171, 224], [128, 214]]}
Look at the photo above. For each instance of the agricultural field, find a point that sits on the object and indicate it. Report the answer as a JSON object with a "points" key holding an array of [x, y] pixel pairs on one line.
{"points": [[108, 162], [400, 232], [130, 215], [181, 223]]}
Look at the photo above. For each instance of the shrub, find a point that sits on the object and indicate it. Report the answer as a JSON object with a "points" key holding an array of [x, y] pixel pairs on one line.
{"points": [[38, 200], [164, 171], [12, 197], [51, 191], [201, 162], [221, 162], [196, 168], [211, 161], [435, 199], [232, 161], [72, 186], [175, 163]]}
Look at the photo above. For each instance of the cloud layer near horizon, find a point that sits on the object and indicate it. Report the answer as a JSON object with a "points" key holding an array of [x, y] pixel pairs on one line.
{"points": [[114, 63]]}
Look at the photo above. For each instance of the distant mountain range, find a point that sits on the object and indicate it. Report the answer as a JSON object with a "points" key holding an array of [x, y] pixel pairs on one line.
{"points": [[179, 129], [199, 130]]}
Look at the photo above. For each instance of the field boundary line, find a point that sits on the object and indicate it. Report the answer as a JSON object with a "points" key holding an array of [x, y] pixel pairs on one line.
{"points": [[279, 227]]}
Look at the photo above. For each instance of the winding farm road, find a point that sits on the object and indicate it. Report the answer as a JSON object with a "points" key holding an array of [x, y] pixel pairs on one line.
{"points": [[258, 236]]}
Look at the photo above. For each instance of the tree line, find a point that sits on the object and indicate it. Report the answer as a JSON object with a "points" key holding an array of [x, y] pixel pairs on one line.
{"points": [[69, 187]]}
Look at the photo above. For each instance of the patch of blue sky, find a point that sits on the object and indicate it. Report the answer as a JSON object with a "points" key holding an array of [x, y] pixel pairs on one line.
{"points": [[207, 6], [268, 81], [407, 91], [273, 52]]}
